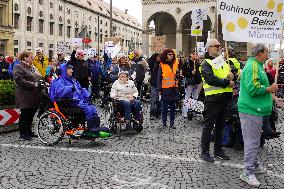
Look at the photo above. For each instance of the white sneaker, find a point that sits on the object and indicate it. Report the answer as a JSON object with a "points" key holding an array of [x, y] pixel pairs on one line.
{"points": [[260, 170], [250, 179]]}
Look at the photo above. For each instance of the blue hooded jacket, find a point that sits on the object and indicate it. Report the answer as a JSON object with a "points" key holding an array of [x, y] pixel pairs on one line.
{"points": [[67, 87]]}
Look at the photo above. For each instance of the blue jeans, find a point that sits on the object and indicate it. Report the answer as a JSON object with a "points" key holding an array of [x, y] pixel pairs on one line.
{"points": [[165, 106], [155, 107], [134, 105]]}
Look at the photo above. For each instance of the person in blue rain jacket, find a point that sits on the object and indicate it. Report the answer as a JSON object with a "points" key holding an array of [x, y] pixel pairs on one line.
{"points": [[66, 87]]}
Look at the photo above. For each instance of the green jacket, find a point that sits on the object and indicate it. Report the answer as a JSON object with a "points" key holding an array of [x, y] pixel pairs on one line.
{"points": [[253, 98]]}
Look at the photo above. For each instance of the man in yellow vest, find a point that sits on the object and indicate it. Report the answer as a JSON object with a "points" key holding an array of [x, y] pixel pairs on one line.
{"points": [[217, 83]]}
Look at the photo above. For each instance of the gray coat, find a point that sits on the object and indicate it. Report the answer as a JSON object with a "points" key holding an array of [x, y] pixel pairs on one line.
{"points": [[26, 91]]}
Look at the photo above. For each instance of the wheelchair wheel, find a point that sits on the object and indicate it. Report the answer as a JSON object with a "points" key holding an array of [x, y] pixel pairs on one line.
{"points": [[50, 128], [109, 118], [138, 127]]}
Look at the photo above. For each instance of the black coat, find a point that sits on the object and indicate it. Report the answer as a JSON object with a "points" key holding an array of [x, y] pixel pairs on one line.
{"points": [[211, 79], [187, 69], [4, 74], [154, 69]]}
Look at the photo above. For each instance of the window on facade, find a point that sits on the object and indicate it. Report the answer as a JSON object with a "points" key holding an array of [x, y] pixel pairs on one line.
{"points": [[51, 46], [50, 53], [16, 50], [40, 45], [106, 23], [76, 32], [101, 38], [68, 11], [29, 10], [29, 44], [51, 28], [51, 5], [60, 30], [16, 7], [40, 25], [90, 33], [101, 22], [76, 14], [29, 23], [60, 7], [16, 42], [1, 16], [51, 16], [40, 2], [16, 20], [68, 31]]}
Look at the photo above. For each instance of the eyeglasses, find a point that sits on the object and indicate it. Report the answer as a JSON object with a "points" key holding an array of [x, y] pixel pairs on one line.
{"points": [[171, 54], [217, 46]]}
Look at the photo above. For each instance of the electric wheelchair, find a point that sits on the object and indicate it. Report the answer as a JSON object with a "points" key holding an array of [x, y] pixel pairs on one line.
{"points": [[114, 118], [60, 119]]}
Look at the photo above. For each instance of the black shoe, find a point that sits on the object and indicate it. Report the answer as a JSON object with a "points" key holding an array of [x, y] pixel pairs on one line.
{"points": [[25, 138], [221, 155], [206, 157], [174, 127], [128, 126], [33, 135]]}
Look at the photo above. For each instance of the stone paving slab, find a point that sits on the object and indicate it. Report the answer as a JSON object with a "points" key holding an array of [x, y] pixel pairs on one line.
{"points": [[154, 158]]}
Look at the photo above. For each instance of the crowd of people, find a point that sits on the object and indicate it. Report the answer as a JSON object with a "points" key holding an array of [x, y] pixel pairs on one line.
{"points": [[251, 84]]}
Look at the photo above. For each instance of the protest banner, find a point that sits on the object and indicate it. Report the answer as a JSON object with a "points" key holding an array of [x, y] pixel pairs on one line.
{"points": [[197, 17], [63, 47], [251, 21]]}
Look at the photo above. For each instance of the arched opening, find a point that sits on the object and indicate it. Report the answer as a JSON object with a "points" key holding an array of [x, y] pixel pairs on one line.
{"points": [[188, 41], [163, 23]]}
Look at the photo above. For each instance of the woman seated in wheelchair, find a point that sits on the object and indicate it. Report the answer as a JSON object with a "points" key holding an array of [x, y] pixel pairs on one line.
{"points": [[67, 87], [125, 92]]}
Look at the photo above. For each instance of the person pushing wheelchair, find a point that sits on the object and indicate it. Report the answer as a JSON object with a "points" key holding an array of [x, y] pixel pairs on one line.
{"points": [[67, 87], [125, 92]]}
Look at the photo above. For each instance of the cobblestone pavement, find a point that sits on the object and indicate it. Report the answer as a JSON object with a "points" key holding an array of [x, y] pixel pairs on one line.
{"points": [[154, 158]]}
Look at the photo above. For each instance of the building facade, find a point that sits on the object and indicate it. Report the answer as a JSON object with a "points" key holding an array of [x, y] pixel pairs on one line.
{"points": [[42, 23], [173, 19], [6, 27]]}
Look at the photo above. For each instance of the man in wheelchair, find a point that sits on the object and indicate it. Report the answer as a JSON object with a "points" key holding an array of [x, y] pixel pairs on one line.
{"points": [[67, 87], [125, 92]]}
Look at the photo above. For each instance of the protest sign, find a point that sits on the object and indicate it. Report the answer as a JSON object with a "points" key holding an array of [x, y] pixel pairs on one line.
{"points": [[197, 17], [77, 42], [63, 47], [158, 43], [251, 21]]}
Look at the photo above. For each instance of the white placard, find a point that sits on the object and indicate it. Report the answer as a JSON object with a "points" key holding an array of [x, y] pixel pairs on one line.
{"points": [[115, 50], [200, 48], [218, 62], [77, 42], [63, 47]]}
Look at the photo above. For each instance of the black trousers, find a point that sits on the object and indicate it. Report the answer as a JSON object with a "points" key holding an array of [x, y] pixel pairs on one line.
{"points": [[215, 113], [139, 85], [95, 87], [26, 121]]}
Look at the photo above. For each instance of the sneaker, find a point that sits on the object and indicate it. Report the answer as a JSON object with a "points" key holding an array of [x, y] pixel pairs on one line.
{"points": [[206, 157], [260, 170], [250, 179], [221, 155]]}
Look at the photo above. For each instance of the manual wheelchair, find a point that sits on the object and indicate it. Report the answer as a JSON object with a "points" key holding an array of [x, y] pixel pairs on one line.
{"points": [[114, 118], [60, 119]]}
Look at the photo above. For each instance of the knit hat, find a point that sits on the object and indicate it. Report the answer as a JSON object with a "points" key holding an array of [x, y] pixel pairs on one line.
{"points": [[120, 55]]}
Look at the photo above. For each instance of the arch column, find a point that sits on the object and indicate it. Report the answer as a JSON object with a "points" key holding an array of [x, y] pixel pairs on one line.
{"points": [[145, 44], [178, 40]]}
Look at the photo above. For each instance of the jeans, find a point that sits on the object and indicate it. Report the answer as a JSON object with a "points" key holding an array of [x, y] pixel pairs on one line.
{"points": [[251, 130], [26, 121], [155, 107], [134, 105], [191, 91], [215, 113], [165, 106]]}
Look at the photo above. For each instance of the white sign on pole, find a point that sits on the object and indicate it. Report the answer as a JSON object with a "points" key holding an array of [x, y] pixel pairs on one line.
{"points": [[197, 17], [218, 62], [251, 21], [77, 42], [200, 48], [116, 49]]}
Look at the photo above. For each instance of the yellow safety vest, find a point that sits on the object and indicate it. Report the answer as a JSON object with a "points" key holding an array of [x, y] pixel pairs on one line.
{"points": [[237, 64], [221, 73]]}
